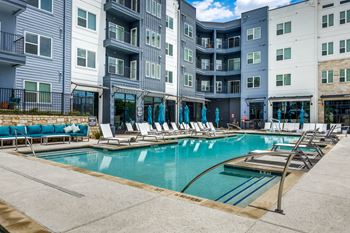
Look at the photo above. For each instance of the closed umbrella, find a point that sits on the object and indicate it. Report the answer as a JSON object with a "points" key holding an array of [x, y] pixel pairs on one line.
{"points": [[279, 114], [302, 116], [161, 114], [217, 117], [204, 114], [180, 115], [187, 115], [150, 113]]}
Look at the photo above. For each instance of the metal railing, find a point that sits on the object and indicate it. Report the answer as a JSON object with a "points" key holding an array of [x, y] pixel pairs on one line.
{"points": [[125, 72], [205, 66], [131, 4], [26, 141], [25, 100], [205, 43], [118, 34], [11, 43]]}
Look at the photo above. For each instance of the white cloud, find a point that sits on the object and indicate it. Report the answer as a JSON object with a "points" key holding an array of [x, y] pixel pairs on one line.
{"points": [[211, 10], [247, 5]]}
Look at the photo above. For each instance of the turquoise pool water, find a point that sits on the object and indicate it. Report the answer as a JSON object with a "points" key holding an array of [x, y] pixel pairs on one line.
{"points": [[173, 166]]}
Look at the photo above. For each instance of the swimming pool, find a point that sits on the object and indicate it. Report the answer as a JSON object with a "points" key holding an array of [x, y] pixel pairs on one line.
{"points": [[173, 166]]}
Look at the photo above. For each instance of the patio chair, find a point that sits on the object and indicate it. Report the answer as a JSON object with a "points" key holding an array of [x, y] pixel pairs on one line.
{"points": [[322, 128], [108, 135], [168, 130], [145, 134], [267, 126], [130, 129], [337, 128], [176, 129], [328, 136], [203, 132], [307, 127]]}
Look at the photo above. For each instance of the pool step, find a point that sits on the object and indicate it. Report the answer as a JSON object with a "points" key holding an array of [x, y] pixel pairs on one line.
{"points": [[240, 193]]}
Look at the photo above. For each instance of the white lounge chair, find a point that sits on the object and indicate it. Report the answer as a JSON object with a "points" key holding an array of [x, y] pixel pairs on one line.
{"points": [[203, 132], [168, 130], [144, 133], [309, 127], [337, 128], [108, 135], [322, 128], [130, 129], [267, 126], [201, 126]]}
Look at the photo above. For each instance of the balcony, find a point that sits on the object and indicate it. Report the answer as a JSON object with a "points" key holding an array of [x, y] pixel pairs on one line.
{"points": [[205, 68], [13, 7], [127, 10], [12, 49], [118, 73], [230, 45], [224, 89], [205, 45], [121, 40], [225, 69]]}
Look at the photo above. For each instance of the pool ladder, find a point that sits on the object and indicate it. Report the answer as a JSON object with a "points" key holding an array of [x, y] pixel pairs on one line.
{"points": [[280, 189], [26, 141]]}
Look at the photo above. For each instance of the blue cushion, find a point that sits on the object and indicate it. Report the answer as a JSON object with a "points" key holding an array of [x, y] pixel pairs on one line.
{"points": [[83, 129], [34, 129], [36, 135], [59, 128], [47, 129], [4, 130], [21, 130]]}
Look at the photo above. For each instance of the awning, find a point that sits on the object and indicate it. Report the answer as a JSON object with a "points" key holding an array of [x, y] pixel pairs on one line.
{"points": [[291, 97], [255, 99], [194, 99], [335, 96], [126, 89], [88, 85], [158, 93]]}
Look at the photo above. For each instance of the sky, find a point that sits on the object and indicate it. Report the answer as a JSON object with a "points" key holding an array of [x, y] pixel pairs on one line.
{"points": [[225, 10]]}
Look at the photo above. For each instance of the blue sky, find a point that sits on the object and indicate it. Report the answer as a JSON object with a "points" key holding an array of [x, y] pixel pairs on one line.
{"points": [[224, 10]]}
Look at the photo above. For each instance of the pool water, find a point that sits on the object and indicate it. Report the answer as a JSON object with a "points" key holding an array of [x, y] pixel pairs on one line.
{"points": [[173, 166]]}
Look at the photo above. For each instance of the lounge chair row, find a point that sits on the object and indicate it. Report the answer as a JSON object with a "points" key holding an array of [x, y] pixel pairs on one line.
{"points": [[43, 132], [296, 127]]}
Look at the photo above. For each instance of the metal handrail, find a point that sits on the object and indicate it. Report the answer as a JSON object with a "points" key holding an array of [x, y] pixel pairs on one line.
{"points": [[26, 141], [273, 120]]}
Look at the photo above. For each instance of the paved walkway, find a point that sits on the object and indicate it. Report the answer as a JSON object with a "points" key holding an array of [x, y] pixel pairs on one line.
{"points": [[66, 201]]}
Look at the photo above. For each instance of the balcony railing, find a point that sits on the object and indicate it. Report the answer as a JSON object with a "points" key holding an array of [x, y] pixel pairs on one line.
{"points": [[201, 87], [205, 66], [225, 67], [229, 88], [122, 71], [131, 4], [122, 36], [205, 43], [11, 43], [38, 101]]}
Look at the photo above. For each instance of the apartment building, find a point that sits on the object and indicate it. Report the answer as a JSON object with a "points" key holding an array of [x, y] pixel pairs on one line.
{"points": [[292, 72], [333, 77]]}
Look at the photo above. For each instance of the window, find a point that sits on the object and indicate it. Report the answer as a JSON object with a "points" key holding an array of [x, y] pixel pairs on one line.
{"points": [[154, 8], [37, 92], [344, 75], [188, 55], [344, 1], [169, 49], [205, 42], [327, 20], [116, 32], [283, 54], [188, 80], [344, 17], [153, 39], [153, 70], [205, 85], [283, 80], [234, 64], [253, 82], [115, 66], [85, 102], [133, 70], [37, 45], [327, 48], [169, 76], [344, 46], [45, 5], [188, 30], [218, 86], [86, 19], [234, 41], [328, 5], [327, 76], [254, 57], [254, 33], [169, 22], [218, 64], [86, 58], [205, 64], [219, 43], [284, 28]]}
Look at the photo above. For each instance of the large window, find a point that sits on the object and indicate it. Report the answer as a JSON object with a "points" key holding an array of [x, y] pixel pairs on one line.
{"points": [[169, 49], [344, 75], [86, 58], [327, 48], [254, 57], [37, 92], [169, 22], [188, 55], [85, 102], [337, 111], [254, 33], [205, 85], [37, 45], [124, 109], [86, 19], [344, 17], [169, 76], [154, 8], [154, 102], [344, 46], [153, 70], [283, 54], [45, 5], [283, 80], [153, 39], [188, 80], [328, 20], [234, 41], [234, 64], [284, 28], [327, 76], [116, 66], [290, 110], [188, 30], [253, 82]]}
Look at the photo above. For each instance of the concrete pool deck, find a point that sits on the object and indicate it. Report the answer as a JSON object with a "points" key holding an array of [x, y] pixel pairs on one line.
{"points": [[62, 200]]}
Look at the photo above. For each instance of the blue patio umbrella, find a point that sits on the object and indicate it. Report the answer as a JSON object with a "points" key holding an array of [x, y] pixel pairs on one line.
{"points": [[217, 117], [161, 114], [150, 113], [180, 115], [279, 114], [204, 114], [187, 115], [302, 116]]}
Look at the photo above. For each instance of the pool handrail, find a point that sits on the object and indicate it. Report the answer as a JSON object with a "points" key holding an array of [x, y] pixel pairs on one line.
{"points": [[26, 141]]}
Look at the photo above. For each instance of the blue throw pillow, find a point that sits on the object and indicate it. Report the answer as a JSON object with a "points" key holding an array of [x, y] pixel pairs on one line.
{"points": [[21, 130], [4, 131], [59, 128], [47, 129], [34, 129], [83, 129]]}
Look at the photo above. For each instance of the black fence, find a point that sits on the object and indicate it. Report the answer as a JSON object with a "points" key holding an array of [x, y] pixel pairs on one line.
{"points": [[34, 101], [11, 43]]}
